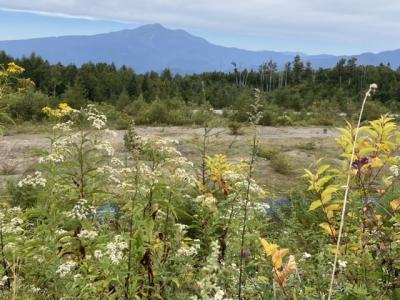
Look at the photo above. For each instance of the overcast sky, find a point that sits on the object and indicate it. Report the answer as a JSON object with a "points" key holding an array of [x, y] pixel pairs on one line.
{"points": [[311, 26]]}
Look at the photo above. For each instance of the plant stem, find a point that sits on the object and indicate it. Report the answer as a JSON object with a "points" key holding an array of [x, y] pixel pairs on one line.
{"points": [[130, 247], [346, 193], [242, 238]]}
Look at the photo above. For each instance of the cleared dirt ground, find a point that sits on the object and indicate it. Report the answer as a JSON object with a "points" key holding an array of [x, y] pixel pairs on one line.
{"points": [[18, 153]]}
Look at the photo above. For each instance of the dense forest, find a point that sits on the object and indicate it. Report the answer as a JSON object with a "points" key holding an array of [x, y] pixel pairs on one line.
{"points": [[295, 93]]}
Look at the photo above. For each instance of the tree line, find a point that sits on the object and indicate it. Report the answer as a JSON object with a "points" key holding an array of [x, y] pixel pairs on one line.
{"points": [[296, 86]]}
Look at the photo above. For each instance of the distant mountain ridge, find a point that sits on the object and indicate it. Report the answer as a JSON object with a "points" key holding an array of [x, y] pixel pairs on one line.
{"points": [[154, 47]]}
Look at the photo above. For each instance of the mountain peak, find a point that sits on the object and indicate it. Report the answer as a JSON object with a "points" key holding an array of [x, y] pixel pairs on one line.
{"points": [[154, 47], [154, 26]]}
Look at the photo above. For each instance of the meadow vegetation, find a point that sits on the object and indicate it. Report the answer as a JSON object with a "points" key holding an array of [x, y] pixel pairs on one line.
{"points": [[148, 223]]}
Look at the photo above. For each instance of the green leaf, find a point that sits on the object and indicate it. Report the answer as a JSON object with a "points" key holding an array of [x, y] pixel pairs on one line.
{"points": [[315, 204]]}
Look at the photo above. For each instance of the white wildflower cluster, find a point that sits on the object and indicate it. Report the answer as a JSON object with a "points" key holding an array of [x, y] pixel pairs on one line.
{"points": [[13, 226], [11, 222], [77, 277], [106, 147], [81, 210], [112, 173], [212, 261], [116, 162], [34, 181], [87, 234], [97, 119], [64, 127], [39, 258], [59, 149], [342, 264], [16, 210], [232, 177], [149, 174], [260, 207], [208, 286], [254, 188], [66, 268], [161, 145], [60, 232], [54, 156], [3, 280], [34, 289], [185, 177], [98, 254], [189, 251], [306, 255], [182, 228], [115, 249], [206, 200], [394, 169], [180, 161], [117, 174], [10, 247]]}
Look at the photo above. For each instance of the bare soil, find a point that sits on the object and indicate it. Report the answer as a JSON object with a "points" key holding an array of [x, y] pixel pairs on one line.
{"points": [[18, 153]]}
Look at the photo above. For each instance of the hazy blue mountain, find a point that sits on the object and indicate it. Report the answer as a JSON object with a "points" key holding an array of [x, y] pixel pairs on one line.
{"points": [[154, 47]]}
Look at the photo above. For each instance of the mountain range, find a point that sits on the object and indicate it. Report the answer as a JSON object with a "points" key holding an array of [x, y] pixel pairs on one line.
{"points": [[154, 47]]}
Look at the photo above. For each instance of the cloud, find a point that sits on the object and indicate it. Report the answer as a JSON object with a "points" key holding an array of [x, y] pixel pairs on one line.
{"points": [[357, 22]]}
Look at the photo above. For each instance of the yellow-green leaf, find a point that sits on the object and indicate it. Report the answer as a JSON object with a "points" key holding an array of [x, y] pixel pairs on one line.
{"points": [[395, 204], [269, 248], [315, 204], [278, 256], [328, 229]]}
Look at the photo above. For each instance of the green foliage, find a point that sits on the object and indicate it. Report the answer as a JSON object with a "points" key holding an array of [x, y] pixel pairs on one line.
{"points": [[294, 95], [281, 164], [27, 106], [266, 153], [278, 160], [234, 127]]}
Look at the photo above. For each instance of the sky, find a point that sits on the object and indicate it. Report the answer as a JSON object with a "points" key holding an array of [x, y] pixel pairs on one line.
{"points": [[308, 26]]}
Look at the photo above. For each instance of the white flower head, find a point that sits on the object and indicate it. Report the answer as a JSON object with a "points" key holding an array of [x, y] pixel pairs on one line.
{"points": [[342, 263]]}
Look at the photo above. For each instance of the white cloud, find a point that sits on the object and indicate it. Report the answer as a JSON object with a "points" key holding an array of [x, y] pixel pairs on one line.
{"points": [[326, 21]]}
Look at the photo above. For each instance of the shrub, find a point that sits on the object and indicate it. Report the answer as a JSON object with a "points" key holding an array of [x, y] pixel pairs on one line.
{"points": [[266, 153], [123, 122], [284, 120], [281, 164], [234, 127], [309, 146], [27, 106]]}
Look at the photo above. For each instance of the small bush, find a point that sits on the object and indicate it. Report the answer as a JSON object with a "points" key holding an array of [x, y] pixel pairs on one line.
{"points": [[27, 106], [123, 122], [279, 161], [235, 127], [281, 164], [309, 146], [284, 120], [266, 153]]}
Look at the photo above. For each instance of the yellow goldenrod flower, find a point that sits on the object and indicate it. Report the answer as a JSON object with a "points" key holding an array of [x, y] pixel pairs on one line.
{"points": [[12, 68], [64, 107]]}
